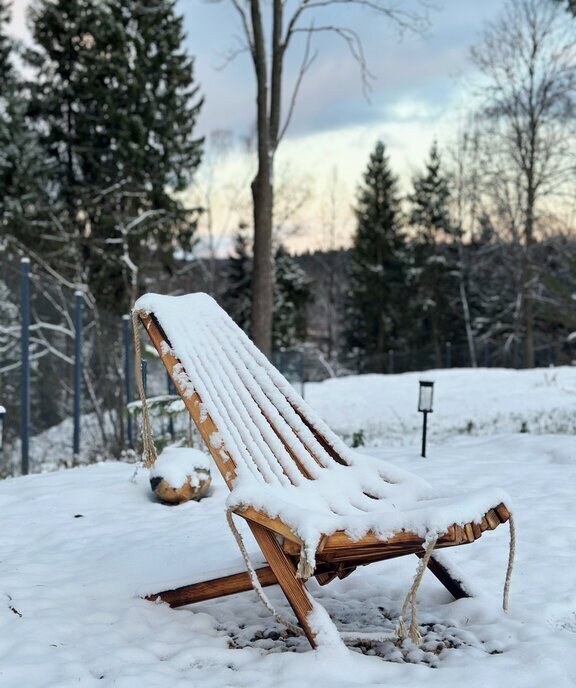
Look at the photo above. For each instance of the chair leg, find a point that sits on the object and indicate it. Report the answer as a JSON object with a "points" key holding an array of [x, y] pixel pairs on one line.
{"points": [[454, 586], [285, 571], [210, 589]]}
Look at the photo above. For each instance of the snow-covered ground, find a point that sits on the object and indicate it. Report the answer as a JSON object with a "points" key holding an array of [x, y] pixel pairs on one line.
{"points": [[80, 547], [466, 401]]}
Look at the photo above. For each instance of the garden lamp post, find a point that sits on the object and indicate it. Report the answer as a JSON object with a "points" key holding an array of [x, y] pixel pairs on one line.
{"points": [[425, 398], [2, 416]]}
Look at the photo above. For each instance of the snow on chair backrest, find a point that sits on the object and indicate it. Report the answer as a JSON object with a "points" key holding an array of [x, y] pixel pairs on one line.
{"points": [[263, 425]]}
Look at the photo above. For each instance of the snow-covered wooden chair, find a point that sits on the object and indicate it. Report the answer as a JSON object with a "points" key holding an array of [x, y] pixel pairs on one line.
{"points": [[314, 506]]}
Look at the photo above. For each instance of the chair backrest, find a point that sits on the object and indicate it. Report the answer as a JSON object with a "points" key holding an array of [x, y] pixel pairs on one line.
{"points": [[269, 431]]}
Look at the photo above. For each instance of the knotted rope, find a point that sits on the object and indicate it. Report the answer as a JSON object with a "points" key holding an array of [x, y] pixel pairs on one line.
{"points": [[262, 596], [413, 632], [149, 455], [511, 556]]}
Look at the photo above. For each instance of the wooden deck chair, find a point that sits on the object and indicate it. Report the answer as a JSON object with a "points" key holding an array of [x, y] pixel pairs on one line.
{"points": [[314, 506]]}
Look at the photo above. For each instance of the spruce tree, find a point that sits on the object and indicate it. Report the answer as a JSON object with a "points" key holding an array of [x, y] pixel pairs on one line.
{"points": [[115, 99], [153, 104], [433, 266], [377, 296], [22, 179], [291, 297], [6, 67], [291, 293], [236, 297], [430, 212]]}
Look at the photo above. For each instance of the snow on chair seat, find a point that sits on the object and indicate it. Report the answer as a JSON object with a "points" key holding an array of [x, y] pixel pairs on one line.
{"points": [[288, 473]]}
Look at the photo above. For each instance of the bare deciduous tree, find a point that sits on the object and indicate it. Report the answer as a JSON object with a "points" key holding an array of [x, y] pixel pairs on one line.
{"points": [[269, 32], [528, 60]]}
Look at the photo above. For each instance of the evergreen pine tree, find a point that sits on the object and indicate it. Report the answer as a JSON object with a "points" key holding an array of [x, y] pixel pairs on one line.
{"points": [[115, 100], [21, 169], [291, 293], [433, 266], [6, 67], [236, 298], [291, 297], [430, 212], [377, 297], [153, 105]]}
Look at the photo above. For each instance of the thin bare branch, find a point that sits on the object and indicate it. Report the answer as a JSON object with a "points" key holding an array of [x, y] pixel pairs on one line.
{"points": [[354, 44], [307, 61]]}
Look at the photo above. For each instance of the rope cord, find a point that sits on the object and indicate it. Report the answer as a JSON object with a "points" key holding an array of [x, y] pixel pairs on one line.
{"points": [[254, 578], [511, 556], [149, 455], [410, 599]]}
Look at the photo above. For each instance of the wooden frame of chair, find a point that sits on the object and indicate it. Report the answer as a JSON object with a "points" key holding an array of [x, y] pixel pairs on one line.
{"points": [[337, 555]]}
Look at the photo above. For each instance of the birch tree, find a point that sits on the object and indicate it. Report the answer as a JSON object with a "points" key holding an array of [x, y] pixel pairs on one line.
{"points": [[527, 60]]}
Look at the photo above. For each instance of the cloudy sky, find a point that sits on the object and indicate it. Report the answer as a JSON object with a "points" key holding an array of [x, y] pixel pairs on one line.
{"points": [[418, 93]]}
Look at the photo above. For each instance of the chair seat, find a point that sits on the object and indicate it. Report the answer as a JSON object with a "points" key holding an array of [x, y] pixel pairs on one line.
{"points": [[355, 506]]}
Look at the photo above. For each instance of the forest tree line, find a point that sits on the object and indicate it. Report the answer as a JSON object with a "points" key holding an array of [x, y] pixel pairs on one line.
{"points": [[412, 283], [98, 141]]}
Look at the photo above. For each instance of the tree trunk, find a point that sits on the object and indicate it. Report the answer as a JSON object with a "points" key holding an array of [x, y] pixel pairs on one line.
{"points": [[468, 323], [527, 310], [262, 271], [267, 124]]}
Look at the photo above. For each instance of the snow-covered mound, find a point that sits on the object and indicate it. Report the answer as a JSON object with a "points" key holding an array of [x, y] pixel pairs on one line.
{"points": [[180, 474], [178, 464]]}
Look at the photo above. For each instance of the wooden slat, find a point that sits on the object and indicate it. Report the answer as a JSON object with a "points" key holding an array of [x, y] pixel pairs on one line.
{"points": [[217, 587], [339, 545], [288, 449], [204, 423], [291, 548], [502, 513], [493, 520], [325, 578], [275, 524]]}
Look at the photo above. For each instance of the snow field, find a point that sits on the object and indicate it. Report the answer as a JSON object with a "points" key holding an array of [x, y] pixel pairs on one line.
{"points": [[79, 547]]}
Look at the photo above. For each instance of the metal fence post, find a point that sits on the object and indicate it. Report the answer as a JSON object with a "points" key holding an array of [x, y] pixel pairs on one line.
{"points": [[25, 378], [127, 376], [448, 354], [144, 369], [78, 303], [391, 361]]}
